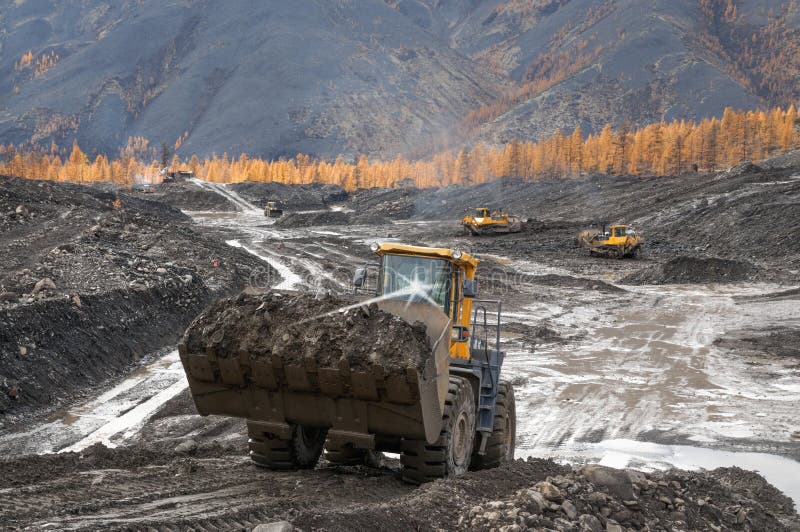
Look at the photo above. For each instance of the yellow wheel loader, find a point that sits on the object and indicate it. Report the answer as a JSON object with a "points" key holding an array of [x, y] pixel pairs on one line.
{"points": [[486, 223], [618, 241], [445, 416]]}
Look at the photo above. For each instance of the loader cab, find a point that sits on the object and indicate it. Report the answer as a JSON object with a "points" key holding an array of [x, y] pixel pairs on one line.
{"points": [[619, 231], [442, 277], [482, 212], [413, 278]]}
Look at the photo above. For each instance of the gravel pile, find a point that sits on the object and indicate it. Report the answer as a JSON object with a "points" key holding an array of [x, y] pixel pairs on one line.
{"points": [[597, 498]]}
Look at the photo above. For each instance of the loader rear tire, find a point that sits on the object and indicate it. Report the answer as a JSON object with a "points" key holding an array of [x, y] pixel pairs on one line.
{"points": [[500, 447], [301, 451], [450, 454]]}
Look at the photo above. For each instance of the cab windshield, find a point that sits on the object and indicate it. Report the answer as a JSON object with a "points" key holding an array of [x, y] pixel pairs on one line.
{"points": [[619, 231], [416, 279]]}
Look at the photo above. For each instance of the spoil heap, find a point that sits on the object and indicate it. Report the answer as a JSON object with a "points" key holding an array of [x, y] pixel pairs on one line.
{"points": [[681, 270], [297, 327], [597, 498]]}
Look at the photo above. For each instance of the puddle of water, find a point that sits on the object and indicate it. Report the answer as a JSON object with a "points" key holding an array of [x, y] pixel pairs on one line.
{"points": [[127, 424], [109, 418]]}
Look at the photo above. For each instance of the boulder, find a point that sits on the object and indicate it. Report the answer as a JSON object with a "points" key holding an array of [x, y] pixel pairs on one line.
{"points": [[617, 482]]}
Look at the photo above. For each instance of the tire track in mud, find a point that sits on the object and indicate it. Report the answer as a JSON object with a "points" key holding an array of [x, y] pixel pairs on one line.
{"points": [[211, 494]]}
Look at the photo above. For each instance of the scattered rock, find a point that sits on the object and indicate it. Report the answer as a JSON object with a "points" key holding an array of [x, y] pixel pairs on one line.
{"points": [[549, 491], [76, 299], [601, 498], [589, 523], [614, 481], [187, 446], [23, 351], [44, 284], [532, 501], [569, 510]]}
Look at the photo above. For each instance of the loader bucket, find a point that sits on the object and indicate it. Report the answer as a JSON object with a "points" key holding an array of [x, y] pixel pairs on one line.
{"points": [[355, 403]]}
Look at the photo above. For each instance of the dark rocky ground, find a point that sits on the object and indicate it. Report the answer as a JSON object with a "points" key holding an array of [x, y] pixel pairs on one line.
{"points": [[91, 282], [214, 488], [749, 213], [185, 472]]}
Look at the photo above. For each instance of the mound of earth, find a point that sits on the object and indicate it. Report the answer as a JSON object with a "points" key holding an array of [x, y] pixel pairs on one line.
{"points": [[190, 197], [686, 270], [306, 197], [780, 341], [313, 219], [118, 488], [297, 327], [93, 280], [597, 498]]}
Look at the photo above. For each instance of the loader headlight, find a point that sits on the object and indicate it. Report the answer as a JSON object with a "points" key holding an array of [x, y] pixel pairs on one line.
{"points": [[374, 247], [457, 254]]}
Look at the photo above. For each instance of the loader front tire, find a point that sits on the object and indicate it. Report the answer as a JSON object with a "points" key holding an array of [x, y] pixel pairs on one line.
{"points": [[501, 444], [449, 456], [301, 451]]}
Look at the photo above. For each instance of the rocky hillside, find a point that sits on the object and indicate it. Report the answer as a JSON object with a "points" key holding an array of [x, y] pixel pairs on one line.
{"points": [[378, 77]]}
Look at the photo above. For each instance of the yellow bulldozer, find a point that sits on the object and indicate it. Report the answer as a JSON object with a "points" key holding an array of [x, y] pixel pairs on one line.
{"points": [[487, 222], [618, 241], [451, 414]]}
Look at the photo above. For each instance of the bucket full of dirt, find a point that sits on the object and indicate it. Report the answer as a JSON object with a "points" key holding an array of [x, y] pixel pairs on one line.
{"points": [[284, 357]]}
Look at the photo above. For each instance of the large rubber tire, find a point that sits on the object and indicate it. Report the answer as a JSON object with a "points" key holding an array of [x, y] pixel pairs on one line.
{"points": [[501, 444], [301, 451], [450, 455], [344, 454]]}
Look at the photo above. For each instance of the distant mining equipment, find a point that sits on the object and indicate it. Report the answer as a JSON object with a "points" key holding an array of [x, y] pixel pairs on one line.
{"points": [[617, 241], [271, 209], [488, 222]]}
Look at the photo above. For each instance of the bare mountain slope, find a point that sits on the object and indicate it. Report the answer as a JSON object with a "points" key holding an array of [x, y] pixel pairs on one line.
{"points": [[590, 62], [379, 77], [262, 77]]}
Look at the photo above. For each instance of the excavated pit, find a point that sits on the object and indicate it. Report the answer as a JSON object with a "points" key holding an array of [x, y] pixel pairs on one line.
{"points": [[298, 327]]}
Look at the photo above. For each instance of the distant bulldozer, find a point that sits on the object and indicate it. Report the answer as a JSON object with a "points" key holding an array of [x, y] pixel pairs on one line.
{"points": [[618, 241], [271, 209], [491, 224]]}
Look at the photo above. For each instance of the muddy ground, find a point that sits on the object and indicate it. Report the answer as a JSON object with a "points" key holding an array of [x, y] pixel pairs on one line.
{"points": [[642, 376]]}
